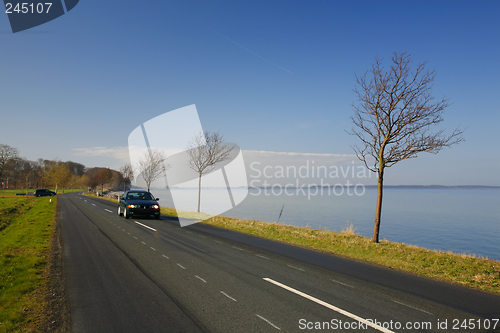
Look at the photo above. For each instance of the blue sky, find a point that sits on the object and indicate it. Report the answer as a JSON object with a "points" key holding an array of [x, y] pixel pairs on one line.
{"points": [[274, 76]]}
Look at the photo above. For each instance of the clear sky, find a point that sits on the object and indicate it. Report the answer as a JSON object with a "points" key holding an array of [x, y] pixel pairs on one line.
{"points": [[273, 76]]}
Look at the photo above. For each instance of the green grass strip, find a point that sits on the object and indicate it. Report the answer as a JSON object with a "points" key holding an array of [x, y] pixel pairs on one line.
{"points": [[24, 244]]}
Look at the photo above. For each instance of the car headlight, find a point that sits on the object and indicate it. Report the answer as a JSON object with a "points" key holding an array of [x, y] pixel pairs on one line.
{"points": [[156, 207], [132, 206]]}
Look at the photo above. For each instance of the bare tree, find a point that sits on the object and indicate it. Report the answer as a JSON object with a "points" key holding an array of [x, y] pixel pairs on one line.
{"points": [[7, 155], [205, 151], [128, 175], [394, 116], [152, 166]]}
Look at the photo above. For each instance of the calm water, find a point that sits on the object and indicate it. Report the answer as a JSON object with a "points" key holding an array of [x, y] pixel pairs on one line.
{"points": [[460, 220]]}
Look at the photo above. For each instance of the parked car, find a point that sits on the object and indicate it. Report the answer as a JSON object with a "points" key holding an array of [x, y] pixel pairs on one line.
{"points": [[44, 193], [138, 203]]}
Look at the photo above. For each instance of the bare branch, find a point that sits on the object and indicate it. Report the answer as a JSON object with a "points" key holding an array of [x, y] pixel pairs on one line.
{"points": [[152, 166], [128, 175], [205, 151]]}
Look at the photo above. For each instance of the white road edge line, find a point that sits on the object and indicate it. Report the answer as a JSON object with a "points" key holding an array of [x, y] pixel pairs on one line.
{"points": [[108, 210], [217, 241], [200, 278], [300, 269], [93, 204], [412, 307], [152, 248], [145, 226], [258, 255], [327, 305], [347, 285], [181, 266], [267, 321], [237, 248], [165, 256], [223, 293]]}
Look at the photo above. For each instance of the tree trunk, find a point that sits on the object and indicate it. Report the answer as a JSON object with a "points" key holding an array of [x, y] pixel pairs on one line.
{"points": [[199, 192], [378, 213]]}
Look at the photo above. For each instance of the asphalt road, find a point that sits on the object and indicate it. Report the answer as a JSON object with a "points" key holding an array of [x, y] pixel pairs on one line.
{"points": [[153, 276]]}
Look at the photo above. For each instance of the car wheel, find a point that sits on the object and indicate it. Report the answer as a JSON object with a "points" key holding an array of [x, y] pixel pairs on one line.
{"points": [[119, 211], [157, 217], [125, 214]]}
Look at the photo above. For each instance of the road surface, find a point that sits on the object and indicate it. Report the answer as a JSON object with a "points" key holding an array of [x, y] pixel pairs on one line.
{"points": [[146, 275]]}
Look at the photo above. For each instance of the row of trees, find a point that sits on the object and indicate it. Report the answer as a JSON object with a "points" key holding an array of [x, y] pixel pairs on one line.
{"points": [[205, 151], [19, 173]]}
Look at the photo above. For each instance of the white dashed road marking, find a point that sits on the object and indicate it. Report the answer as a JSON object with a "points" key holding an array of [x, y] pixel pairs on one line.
{"points": [[200, 278], [347, 285], [267, 321], [412, 307], [329, 306], [145, 226], [300, 269], [223, 293]]}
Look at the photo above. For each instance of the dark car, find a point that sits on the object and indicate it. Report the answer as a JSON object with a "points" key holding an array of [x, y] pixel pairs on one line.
{"points": [[44, 193], [138, 202]]}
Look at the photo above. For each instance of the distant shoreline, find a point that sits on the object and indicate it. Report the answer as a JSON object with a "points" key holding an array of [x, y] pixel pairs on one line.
{"points": [[349, 185], [400, 186], [436, 186]]}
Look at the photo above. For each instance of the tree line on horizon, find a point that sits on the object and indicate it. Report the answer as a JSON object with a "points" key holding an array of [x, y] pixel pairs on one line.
{"points": [[20, 173]]}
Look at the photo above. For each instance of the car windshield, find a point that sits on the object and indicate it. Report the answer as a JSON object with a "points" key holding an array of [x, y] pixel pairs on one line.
{"points": [[139, 196]]}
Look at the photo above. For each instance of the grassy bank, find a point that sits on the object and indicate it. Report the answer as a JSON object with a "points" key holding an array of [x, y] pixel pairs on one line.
{"points": [[460, 269], [25, 238], [465, 270], [29, 192]]}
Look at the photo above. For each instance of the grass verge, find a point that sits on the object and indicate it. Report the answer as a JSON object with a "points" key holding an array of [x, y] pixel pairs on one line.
{"points": [[29, 192], [24, 248]]}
